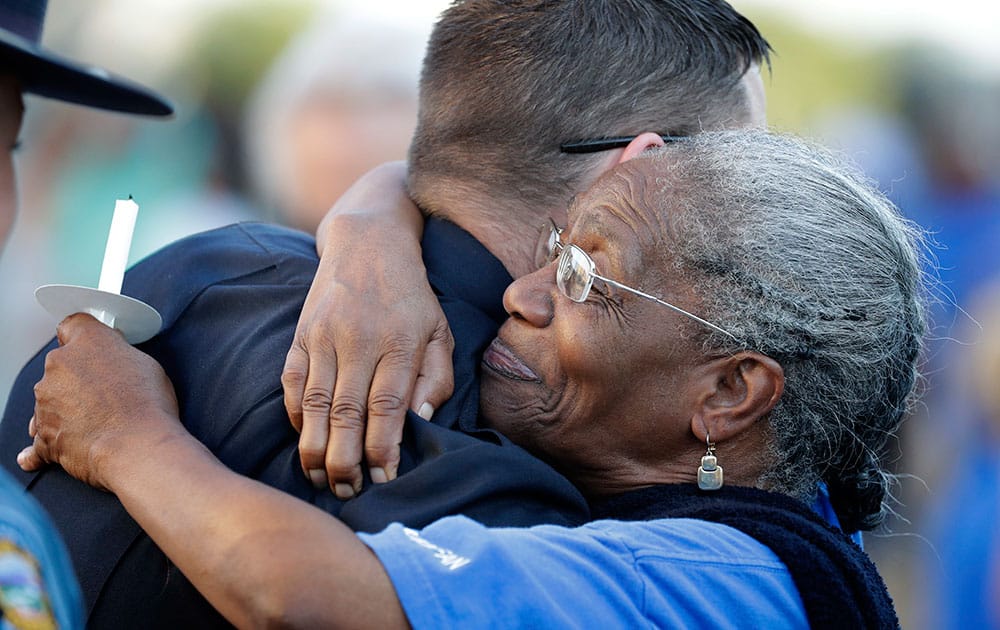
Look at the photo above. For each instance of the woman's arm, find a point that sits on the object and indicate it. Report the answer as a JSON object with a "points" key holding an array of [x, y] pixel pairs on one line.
{"points": [[107, 414], [371, 340]]}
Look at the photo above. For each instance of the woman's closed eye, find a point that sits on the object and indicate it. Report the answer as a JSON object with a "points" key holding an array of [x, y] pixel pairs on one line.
{"points": [[604, 295]]}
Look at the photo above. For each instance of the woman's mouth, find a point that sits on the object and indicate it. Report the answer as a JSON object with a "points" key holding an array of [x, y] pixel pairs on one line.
{"points": [[501, 360]]}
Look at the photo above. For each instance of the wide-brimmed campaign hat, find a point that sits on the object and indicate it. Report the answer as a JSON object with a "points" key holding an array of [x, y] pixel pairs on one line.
{"points": [[47, 74]]}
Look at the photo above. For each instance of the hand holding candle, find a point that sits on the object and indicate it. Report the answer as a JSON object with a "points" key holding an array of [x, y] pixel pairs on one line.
{"points": [[137, 321]]}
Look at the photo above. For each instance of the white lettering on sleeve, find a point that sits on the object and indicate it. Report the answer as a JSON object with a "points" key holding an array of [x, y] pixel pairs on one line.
{"points": [[448, 558]]}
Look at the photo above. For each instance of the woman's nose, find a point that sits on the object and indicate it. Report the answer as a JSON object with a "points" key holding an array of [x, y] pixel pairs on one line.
{"points": [[530, 297]]}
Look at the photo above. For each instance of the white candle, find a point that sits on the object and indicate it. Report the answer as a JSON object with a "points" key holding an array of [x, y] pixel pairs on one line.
{"points": [[119, 243]]}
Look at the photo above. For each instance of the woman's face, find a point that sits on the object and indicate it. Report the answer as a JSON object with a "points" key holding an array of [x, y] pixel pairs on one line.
{"points": [[11, 112], [589, 385]]}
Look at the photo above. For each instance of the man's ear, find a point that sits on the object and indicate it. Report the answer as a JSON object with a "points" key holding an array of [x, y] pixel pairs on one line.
{"points": [[738, 391], [756, 99], [643, 141]]}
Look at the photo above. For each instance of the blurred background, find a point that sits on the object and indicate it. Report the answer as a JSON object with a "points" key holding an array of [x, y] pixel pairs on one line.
{"points": [[282, 103]]}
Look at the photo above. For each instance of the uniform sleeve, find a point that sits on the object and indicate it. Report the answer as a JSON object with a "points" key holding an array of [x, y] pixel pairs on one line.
{"points": [[456, 572]]}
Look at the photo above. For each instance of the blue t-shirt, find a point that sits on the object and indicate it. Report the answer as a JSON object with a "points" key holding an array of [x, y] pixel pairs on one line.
{"points": [[666, 573], [37, 586]]}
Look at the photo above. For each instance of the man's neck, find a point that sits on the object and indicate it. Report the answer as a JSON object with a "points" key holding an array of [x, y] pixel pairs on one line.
{"points": [[509, 232], [513, 243]]}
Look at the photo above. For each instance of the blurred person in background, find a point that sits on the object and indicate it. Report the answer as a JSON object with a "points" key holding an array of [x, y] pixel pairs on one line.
{"points": [[961, 568], [952, 113], [38, 588], [339, 100]]}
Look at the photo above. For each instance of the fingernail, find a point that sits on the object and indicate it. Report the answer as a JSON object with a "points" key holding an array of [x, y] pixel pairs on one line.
{"points": [[426, 411], [343, 491], [378, 475], [318, 478], [24, 453]]}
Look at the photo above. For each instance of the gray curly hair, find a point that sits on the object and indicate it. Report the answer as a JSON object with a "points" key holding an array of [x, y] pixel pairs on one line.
{"points": [[804, 260]]}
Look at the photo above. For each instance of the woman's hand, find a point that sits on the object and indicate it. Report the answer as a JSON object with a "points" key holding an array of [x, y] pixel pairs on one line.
{"points": [[107, 413], [371, 340], [99, 399]]}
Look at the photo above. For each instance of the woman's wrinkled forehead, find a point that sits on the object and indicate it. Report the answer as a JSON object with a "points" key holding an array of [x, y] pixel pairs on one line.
{"points": [[625, 201]]}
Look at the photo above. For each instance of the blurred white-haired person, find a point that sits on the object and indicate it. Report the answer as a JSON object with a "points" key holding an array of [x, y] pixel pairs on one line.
{"points": [[340, 99]]}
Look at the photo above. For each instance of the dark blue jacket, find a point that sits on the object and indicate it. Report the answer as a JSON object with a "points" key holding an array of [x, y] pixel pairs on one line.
{"points": [[230, 299]]}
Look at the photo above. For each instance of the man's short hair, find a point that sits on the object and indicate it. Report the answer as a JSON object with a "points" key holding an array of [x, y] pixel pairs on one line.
{"points": [[505, 82]]}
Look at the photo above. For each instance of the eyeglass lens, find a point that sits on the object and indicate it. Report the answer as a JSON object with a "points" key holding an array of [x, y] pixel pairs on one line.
{"points": [[575, 274], [575, 271]]}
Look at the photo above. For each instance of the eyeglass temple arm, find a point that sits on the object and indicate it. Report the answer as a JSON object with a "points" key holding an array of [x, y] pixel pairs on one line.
{"points": [[596, 145], [676, 309]]}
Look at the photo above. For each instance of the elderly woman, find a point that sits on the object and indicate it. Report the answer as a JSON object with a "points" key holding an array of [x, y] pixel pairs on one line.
{"points": [[722, 325]]}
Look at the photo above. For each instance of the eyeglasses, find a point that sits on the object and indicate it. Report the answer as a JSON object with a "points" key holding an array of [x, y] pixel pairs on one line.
{"points": [[576, 273], [595, 145]]}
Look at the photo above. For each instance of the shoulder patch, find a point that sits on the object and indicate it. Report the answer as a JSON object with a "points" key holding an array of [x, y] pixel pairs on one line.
{"points": [[24, 603]]}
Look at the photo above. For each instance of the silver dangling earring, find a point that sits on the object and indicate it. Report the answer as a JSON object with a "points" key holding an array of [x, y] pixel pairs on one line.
{"points": [[709, 473]]}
